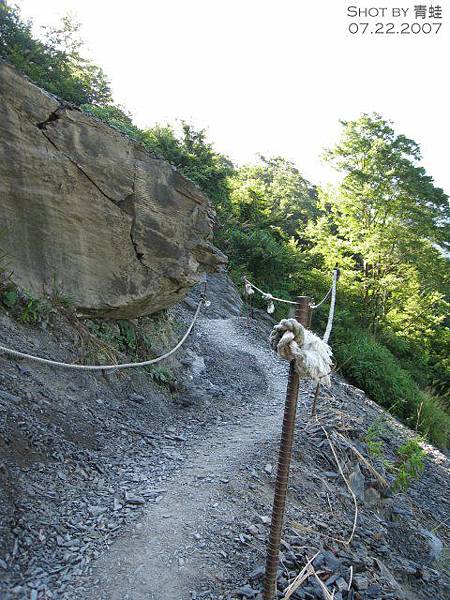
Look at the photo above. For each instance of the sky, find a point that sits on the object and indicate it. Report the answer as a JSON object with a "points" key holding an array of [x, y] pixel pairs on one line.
{"points": [[269, 76]]}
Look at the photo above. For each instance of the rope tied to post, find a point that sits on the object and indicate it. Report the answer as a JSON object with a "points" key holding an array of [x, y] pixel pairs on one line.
{"points": [[312, 356]]}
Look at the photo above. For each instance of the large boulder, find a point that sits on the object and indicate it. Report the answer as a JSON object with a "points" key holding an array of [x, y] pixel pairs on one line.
{"points": [[118, 230]]}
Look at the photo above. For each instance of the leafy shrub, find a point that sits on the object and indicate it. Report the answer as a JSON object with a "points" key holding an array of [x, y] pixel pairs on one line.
{"points": [[374, 444], [409, 464], [375, 369], [115, 117], [10, 297], [162, 376]]}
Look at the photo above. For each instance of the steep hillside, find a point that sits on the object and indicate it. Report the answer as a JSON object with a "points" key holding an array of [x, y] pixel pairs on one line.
{"points": [[115, 487]]}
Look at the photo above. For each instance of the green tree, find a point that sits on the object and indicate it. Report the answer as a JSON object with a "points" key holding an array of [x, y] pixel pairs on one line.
{"points": [[55, 63], [196, 158], [273, 193], [387, 225]]}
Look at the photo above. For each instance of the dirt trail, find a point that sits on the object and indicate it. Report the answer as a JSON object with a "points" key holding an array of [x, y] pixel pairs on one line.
{"points": [[116, 489], [172, 550]]}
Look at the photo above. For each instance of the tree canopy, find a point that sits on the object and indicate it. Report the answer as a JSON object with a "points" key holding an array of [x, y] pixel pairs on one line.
{"points": [[55, 64]]}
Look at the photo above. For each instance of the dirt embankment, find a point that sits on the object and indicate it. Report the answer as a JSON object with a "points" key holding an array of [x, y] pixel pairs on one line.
{"points": [[115, 487]]}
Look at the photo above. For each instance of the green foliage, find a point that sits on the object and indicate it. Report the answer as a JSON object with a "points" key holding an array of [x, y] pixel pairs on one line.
{"points": [[116, 117], [274, 195], [375, 445], [371, 366], [195, 157], [161, 375], [132, 338], [409, 465], [10, 298], [56, 63], [32, 309], [387, 226], [60, 298]]}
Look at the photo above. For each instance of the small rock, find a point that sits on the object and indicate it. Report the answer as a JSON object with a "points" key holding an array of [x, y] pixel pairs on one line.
{"points": [[130, 498], [96, 511], [333, 563], [374, 591], [361, 582], [137, 398], [357, 482], [246, 591], [372, 497], [257, 573], [268, 469], [341, 584]]}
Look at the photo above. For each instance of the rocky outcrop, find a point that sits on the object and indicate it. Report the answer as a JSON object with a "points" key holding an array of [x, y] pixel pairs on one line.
{"points": [[222, 293], [121, 232]]}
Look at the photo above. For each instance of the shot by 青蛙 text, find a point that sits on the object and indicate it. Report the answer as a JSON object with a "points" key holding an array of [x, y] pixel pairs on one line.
{"points": [[413, 19]]}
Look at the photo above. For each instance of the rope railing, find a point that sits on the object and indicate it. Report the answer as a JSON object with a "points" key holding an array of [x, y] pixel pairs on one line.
{"points": [[249, 288], [323, 299], [266, 295], [78, 367], [326, 335]]}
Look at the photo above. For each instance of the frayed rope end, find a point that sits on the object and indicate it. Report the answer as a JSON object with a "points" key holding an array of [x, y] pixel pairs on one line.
{"points": [[312, 355]]}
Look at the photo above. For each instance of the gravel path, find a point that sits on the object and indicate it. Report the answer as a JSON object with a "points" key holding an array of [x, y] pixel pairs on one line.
{"points": [[113, 488], [174, 548]]}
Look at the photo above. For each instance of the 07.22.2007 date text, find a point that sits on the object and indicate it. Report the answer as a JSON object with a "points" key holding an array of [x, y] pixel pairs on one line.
{"points": [[393, 28]]}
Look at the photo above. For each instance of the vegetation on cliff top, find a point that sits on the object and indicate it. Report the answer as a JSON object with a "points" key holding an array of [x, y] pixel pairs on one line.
{"points": [[385, 224]]}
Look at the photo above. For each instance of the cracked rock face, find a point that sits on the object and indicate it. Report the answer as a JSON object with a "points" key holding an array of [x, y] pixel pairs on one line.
{"points": [[119, 231]]}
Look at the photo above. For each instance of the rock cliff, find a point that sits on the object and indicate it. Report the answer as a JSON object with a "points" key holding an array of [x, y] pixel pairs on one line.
{"points": [[120, 231]]}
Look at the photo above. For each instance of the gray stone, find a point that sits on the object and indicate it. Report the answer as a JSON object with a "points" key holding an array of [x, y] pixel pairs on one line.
{"points": [[138, 398], [122, 232], [223, 294], [357, 482], [374, 591], [96, 511], [330, 561], [341, 584], [131, 498], [435, 546], [372, 497], [361, 582]]}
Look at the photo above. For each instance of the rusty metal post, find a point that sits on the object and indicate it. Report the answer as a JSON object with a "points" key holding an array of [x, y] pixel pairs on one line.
{"points": [[314, 404], [302, 314]]}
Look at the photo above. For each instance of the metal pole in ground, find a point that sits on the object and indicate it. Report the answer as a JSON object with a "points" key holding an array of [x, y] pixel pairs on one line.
{"points": [[302, 312]]}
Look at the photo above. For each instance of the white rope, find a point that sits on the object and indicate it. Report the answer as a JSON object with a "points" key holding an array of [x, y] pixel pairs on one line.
{"points": [[145, 363], [323, 299], [249, 285], [326, 335], [312, 355]]}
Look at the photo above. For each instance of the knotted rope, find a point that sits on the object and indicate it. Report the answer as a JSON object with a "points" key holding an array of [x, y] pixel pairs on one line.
{"points": [[312, 355]]}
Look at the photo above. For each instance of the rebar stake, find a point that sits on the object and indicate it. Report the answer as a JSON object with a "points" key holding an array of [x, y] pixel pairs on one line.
{"points": [[314, 404], [302, 314]]}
